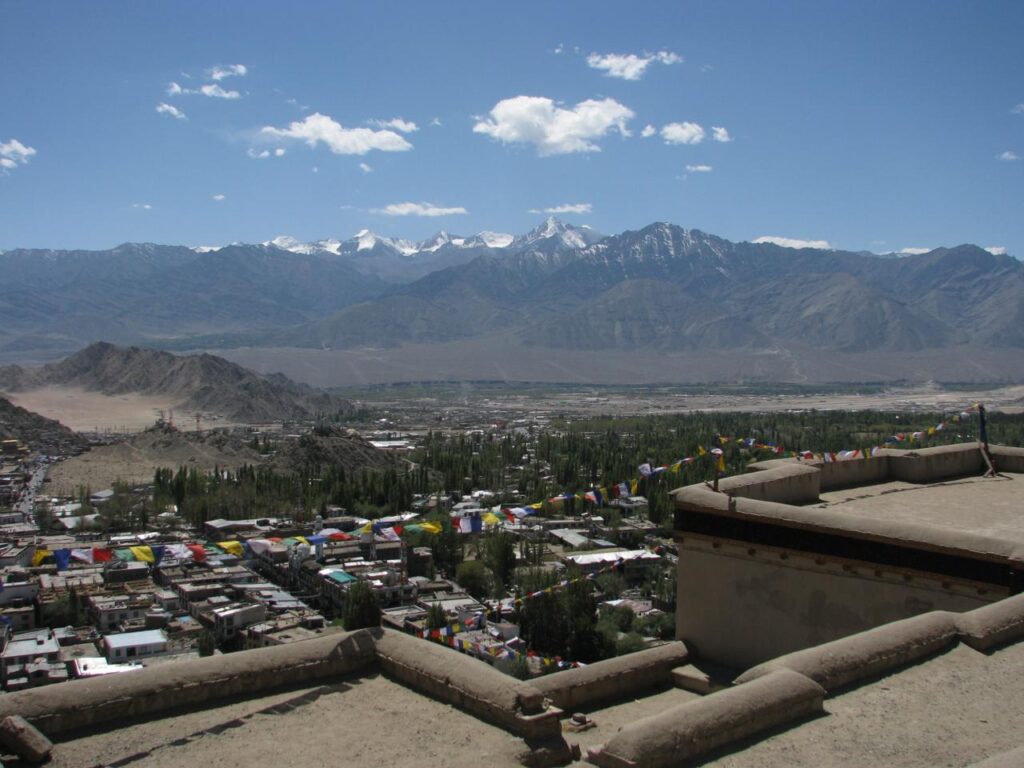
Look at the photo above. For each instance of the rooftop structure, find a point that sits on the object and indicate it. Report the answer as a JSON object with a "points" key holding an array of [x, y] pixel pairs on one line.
{"points": [[797, 553]]}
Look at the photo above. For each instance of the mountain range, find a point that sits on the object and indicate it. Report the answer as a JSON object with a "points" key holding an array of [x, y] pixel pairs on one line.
{"points": [[663, 289]]}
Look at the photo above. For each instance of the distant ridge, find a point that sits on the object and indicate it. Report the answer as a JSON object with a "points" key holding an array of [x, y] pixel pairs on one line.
{"points": [[203, 383], [659, 290]]}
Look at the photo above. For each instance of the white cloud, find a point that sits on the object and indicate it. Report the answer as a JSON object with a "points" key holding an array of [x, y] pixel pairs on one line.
{"points": [[699, 168], [365, 168], [142, 206], [913, 251], [418, 209], [718, 133], [682, 133], [258, 154], [436, 122], [552, 129], [996, 250], [629, 66], [317, 128], [580, 208], [316, 169], [218, 197], [14, 153], [229, 70], [214, 91], [170, 109], [1017, 110], [559, 48], [279, 152], [790, 242], [405, 126], [648, 131], [1009, 156]]}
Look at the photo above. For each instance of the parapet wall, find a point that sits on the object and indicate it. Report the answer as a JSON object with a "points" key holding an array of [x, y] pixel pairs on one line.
{"points": [[467, 683], [618, 678], [786, 484], [92, 703], [791, 688]]}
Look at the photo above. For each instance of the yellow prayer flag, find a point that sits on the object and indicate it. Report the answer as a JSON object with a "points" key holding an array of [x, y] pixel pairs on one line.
{"points": [[39, 556], [231, 547], [431, 527], [143, 554]]}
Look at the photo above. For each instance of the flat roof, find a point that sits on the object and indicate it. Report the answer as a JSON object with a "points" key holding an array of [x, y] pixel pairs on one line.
{"points": [[985, 506], [267, 729], [953, 709], [127, 639]]}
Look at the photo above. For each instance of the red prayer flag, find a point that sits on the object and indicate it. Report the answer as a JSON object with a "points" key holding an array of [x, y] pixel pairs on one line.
{"points": [[102, 555], [198, 553]]}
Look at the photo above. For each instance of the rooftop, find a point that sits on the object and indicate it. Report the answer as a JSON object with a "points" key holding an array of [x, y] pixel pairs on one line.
{"points": [[985, 506], [953, 709], [128, 639]]}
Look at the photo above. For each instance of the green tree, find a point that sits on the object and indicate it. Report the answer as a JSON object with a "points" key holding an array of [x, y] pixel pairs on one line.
{"points": [[436, 618], [206, 644], [361, 608], [500, 557], [474, 577]]}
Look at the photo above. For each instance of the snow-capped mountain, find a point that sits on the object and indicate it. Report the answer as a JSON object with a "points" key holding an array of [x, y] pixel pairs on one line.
{"points": [[551, 233], [555, 234], [398, 260]]}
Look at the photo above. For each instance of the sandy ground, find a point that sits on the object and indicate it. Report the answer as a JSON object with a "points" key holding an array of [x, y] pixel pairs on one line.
{"points": [[952, 710], [85, 411], [138, 458]]}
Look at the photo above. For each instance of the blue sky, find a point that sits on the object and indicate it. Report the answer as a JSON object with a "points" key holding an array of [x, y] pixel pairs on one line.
{"points": [[871, 125]]}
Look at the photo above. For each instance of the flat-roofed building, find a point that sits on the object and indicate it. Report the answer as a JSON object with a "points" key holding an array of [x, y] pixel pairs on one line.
{"points": [[797, 553], [129, 646]]}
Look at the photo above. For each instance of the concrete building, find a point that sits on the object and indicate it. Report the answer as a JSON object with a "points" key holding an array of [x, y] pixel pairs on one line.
{"points": [[30, 658], [230, 620], [129, 646]]}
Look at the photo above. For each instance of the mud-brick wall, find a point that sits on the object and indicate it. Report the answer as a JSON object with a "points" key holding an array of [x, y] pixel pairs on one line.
{"points": [[739, 609]]}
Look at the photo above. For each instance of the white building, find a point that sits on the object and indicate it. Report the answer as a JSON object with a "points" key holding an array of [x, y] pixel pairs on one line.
{"points": [[129, 646]]}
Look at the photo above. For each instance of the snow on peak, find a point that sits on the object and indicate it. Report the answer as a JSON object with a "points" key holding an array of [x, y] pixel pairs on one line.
{"points": [[202, 248], [367, 241], [439, 240], [496, 239], [289, 243]]}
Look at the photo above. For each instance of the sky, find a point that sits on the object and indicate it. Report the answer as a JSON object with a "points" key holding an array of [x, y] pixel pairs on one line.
{"points": [[879, 126]]}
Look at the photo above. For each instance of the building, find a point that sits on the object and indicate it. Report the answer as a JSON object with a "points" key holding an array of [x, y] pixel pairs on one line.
{"points": [[230, 620], [29, 659], [797, 553], [633, 564], [129, 646]]}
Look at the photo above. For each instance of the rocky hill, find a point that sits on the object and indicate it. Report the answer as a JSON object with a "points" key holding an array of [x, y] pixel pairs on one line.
{"points": [[331, 448], [196, 383], [39, 433]]}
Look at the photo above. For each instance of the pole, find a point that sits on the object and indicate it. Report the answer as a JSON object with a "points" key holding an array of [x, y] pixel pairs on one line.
{"points": [[983, 435]]}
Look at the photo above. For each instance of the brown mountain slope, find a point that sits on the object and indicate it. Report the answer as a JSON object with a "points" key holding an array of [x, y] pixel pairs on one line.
{"points": [[204, 383]]}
